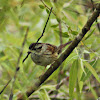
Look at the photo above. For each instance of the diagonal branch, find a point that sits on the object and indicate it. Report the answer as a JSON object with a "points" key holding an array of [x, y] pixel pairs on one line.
{"points": [[63, 56]]}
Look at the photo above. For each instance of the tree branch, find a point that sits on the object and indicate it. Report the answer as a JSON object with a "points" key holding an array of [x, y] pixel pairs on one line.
{"points": [[63, 56]]}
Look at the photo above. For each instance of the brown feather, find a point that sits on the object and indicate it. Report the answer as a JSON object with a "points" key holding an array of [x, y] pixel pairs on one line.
{"points": [[52, 48]]}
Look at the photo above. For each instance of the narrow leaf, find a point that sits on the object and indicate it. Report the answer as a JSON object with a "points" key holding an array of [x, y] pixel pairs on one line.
{"points": [[88, 73], [54, 26], [92, 70], [41, 6], [82, 66], [43, 95], [81, 86], [47, 11], [73, 77], [90, 34], [64, 34], [74, 32]]}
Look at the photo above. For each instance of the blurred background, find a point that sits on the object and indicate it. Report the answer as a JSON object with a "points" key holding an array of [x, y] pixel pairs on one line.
{"points": [[70, 16]]}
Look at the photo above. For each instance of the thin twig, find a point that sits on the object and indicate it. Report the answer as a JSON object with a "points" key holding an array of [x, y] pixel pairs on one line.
{"points": [[5, 86], [45, 26], [60, 33], [17, 65], [47, 7], [22, 3], [26, 56], [59, 74]]}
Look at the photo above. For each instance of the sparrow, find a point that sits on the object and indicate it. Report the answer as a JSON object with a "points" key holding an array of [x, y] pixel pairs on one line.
{"points": [[44, 53]]}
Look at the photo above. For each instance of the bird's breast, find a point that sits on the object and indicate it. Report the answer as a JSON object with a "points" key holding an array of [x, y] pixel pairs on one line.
{"points": [[44, 59]]}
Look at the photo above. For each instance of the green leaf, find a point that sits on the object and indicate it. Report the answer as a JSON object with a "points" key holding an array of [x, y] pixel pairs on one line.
{"points": [[46, 95], [80, 73], [41, 6], [90, 34], [43, 95], [74, 32], [54, 26], [73, 77], [92, 70], [88, 73], [64, 34], [3, 58], [82, 66], [94, 93], [51, 87], [80, 86], [97, 1], [58, 19], [69, 60], [47, 11]]}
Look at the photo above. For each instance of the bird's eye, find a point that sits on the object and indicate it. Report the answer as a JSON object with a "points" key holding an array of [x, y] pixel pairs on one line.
{"points": [[34, 46], [31, 45], [39, 47]]}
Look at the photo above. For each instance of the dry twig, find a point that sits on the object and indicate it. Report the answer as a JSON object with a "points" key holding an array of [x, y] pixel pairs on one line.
{"points": [[17, 66]]}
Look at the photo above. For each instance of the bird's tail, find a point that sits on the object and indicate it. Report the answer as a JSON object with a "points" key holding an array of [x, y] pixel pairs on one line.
{"points": [[62, 46]]}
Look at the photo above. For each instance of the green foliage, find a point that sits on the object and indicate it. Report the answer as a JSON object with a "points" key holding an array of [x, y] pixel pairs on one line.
{"points": [[82, 65], [43, 95], [91, 69], [90, 34], [73, 77], [88, 73], [41, 6], [47, 11]]}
